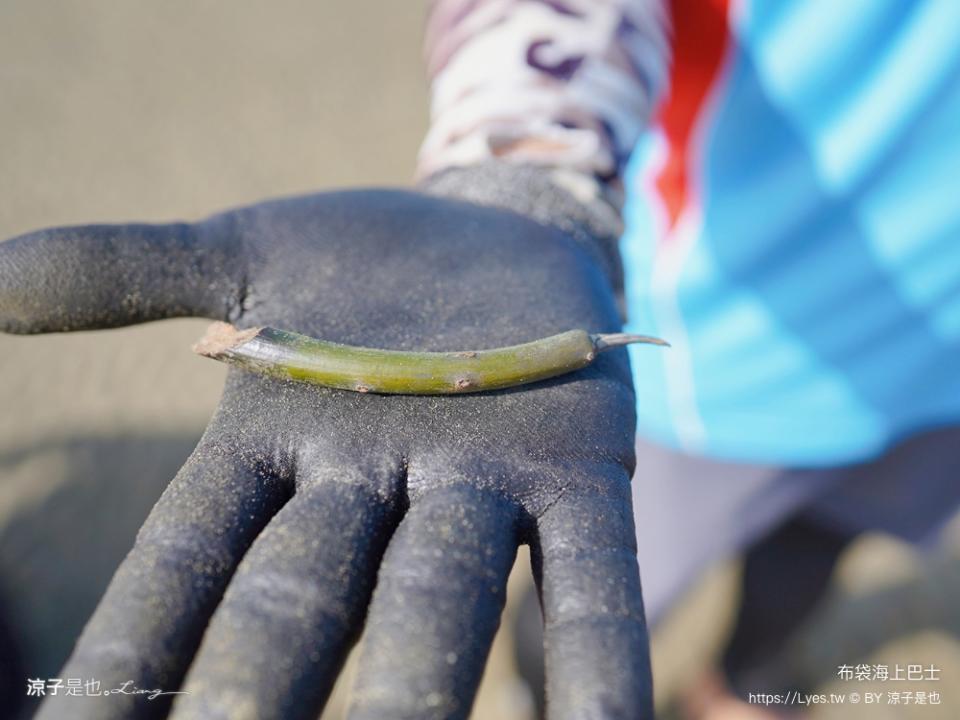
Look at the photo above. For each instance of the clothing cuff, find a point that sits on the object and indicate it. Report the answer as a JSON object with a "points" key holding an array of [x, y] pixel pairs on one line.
{"points": [[573, 202]]}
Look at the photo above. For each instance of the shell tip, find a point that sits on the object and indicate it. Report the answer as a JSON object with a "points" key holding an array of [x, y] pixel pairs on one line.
{"points": [[605, 341], [221, 337]]}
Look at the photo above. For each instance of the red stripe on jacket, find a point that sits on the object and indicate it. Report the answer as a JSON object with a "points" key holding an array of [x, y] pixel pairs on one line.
{"points": [[699, 43]]}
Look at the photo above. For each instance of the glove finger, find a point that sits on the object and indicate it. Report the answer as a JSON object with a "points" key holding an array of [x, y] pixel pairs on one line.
{"points": [[299, 595], [149, 623], [103, 276], [595, 635], [437, 605]]}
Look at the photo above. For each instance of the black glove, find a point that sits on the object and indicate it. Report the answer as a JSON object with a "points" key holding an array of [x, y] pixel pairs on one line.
{"points": [[299, 500]]}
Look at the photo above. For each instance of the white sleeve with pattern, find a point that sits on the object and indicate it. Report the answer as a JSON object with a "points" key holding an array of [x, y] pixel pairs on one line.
{"points": [[567, 84]]}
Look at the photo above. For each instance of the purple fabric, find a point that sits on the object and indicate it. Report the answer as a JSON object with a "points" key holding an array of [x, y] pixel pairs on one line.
{"points": [[692, 512]]}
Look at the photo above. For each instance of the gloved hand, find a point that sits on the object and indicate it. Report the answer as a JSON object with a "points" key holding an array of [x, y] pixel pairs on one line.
{"points": [[299, 501]]}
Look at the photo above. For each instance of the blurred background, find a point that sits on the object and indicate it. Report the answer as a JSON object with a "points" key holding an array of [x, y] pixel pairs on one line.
{"points": [[134, 110]]}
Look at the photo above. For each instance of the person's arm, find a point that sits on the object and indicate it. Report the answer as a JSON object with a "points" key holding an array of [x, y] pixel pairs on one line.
{"points": [[536, 107]]}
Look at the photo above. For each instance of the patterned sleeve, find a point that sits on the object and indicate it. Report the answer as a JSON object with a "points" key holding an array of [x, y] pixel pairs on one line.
{"points": [[565, 84]]}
